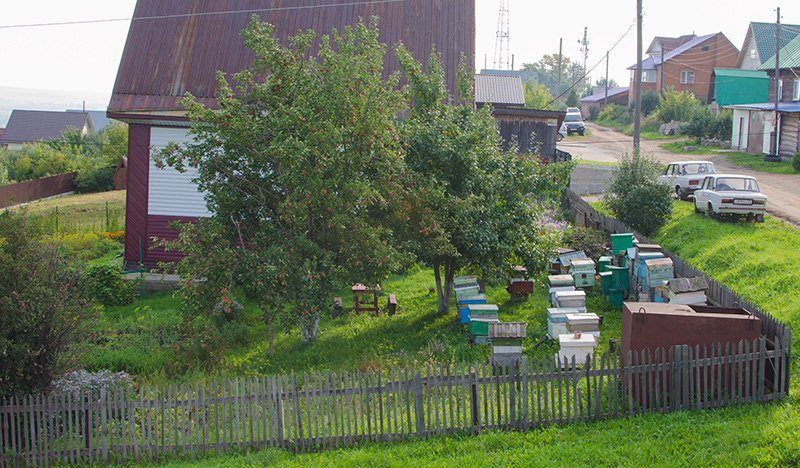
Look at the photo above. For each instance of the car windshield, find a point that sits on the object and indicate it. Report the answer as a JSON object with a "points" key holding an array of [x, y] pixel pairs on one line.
{"points": [[572, 118], [737, 183], [699, 168]]}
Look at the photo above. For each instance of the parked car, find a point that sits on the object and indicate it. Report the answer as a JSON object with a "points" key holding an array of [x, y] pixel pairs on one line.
{"points": [[730, 196], [686, 176], [573, 110], [574, 123], [562, 132]]}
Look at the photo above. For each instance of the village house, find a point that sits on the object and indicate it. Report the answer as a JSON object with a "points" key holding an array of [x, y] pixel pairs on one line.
{"points": [[177, 47], [26, 126]]}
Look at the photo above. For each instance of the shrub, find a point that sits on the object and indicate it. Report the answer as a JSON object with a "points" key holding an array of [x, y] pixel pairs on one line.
{"points": [[107, 287], [796, 162], [92, 178], [635, 195], [81, 381], [594, 111], [650, 101], [586, 239], [699, 126], [679, 106]]}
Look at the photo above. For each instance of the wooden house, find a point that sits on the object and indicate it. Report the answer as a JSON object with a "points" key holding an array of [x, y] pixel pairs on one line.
{"points": [[26, 126], [178, 46]]}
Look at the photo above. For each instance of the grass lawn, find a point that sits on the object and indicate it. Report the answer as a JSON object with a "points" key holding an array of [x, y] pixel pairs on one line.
{"points": [[99, 212], [756, 260]]}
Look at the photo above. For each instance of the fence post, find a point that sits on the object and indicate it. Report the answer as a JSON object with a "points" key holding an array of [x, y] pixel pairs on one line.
{"points": [[475, 403], [419, 408]]}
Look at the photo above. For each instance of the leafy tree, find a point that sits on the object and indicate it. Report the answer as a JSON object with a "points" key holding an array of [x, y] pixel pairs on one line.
{"points": [[572, 98], [45, 310], [37, 160], [115, 142], [537, 96], [301, 166], [635, 195], [602, 83], [650, 101], [475, 208], [547, 70], [678, 106]]}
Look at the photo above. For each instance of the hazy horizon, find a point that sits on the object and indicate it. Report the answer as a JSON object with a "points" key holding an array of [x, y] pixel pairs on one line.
{"points": [[48, 100]]}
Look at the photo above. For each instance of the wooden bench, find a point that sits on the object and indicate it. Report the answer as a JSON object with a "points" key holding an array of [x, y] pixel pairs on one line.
{"points": [[360, 290]]}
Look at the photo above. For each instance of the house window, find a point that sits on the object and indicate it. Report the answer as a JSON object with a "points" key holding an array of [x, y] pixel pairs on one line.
{"points": [[705, 49], [648, 76], [687, 77], [753, 53], [796, 94]]}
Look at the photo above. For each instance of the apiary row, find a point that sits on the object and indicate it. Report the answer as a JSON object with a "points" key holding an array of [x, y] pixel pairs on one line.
{"points": [[568, 321]]}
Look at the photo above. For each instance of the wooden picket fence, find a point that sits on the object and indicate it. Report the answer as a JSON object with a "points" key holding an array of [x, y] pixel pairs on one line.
{"points": [[324, 410]]}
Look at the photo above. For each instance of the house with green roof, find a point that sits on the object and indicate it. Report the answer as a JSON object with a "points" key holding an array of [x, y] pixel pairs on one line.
{"points": [[759, 43], [773, 127]]}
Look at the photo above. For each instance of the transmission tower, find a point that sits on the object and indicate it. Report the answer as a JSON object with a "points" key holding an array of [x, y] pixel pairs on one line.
{"points": [[585, 49], [501, 51]]}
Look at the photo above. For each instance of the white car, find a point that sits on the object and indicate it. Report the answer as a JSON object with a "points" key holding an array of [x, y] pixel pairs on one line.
{"points": [[686, 176], [730, 196]]}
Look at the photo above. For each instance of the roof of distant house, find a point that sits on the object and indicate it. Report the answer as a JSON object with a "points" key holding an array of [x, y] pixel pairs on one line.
{"points": [[596, 97], [499, 90], [788, 56], [764, 36], [26, 126], [790, 107], [524, 74], [651, 63], [99, 119], [668, 43]]}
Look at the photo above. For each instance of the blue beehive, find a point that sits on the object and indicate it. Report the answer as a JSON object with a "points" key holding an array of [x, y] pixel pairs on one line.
{"points": [[464, 301]]}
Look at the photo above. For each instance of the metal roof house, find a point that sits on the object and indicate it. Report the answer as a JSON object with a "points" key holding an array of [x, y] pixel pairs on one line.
{"points": [[618, 95], [753, 124], [759, 43], [25, 126], [178, 46]]}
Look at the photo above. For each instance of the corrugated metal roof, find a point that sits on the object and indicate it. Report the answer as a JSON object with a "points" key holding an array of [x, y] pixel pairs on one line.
{"points": [[788, 107], [177, 46], [764, 36], [651, 63], [26, 126], [788, 56], [602, 95], [499, 89]]}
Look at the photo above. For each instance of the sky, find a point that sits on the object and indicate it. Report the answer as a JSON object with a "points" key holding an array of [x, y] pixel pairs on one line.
{"points": [[81, 60]]}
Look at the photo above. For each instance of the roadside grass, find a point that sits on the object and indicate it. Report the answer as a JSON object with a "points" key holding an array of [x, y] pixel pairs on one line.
{"points": [[677, 147], [756, 162], [584, 162]]}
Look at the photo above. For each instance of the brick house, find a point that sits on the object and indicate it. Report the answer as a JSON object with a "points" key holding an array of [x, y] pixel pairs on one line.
{"points": [[686, 67]]}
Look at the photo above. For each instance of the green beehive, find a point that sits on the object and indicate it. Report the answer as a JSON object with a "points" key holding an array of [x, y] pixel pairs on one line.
{"points": [[604, 262], [482, 311], [619, 277], [621, 242], [605, 282], [480, 326]]}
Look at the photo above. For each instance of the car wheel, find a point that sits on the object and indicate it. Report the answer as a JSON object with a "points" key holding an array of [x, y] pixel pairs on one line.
{"points": [[760, 218], [559, 137], [711, 213], [680, 193], [583, 132], [696, 209]]}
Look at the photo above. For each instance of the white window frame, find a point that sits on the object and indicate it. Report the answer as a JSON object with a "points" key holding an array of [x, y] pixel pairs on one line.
{"points": [[687, 77], [796, 94], [648, 73]]}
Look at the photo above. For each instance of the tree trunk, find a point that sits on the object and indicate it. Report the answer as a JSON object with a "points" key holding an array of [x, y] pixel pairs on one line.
{"points": [[309, 326], [444, 291]]}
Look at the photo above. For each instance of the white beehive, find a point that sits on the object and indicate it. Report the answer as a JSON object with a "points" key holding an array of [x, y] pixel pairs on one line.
{"points": [[574, 299], [557, 321], [577, 346], [556, 289], [588, 323]]}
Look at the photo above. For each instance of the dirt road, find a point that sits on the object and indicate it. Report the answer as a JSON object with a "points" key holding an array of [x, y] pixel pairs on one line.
{"points": [[607, 145]]}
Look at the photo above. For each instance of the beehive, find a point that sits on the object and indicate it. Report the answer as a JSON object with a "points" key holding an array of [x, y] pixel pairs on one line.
{"points": [[581, 264], [465, 300], [577, 346], [584, 323], [479, 327], [520, 287], [658, 271], [584, 279], [466, 289], [556, 281], [506, 338], [557, 321], [555, 290], [482, 311], [576, 299]]}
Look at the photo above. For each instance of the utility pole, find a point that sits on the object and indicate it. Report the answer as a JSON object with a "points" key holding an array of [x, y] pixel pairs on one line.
{"points": [[585, 49], [605, 98], [661, 85], [774, 152], [558, 80], [637, 109]]}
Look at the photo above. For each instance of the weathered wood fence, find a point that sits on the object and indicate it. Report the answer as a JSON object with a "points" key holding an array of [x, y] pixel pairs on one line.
{"points": [[322, 410]]}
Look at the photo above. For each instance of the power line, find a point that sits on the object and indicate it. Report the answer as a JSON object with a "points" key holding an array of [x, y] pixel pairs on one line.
{"points": [[188, 15]]}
